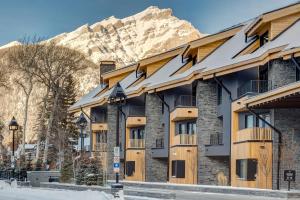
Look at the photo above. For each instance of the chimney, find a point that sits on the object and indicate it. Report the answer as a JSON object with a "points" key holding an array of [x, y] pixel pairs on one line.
{"points": [[106, 66]]}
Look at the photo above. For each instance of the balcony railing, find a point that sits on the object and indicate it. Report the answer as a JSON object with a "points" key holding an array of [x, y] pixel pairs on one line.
{"points": [[101, 147], [185, 101], [136, 111], [254, 87], [137, 143], [254, 134], [216, 139], [185, 139]]}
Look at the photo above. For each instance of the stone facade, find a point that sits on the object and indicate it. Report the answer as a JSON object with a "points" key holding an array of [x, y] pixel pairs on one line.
{"points": [[156, 169], [111, 140], [288, 122], [208, 123], [281, 72]]}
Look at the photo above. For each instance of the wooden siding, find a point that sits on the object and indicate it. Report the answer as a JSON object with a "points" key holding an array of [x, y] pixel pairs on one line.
{"points": [[204, 51], [135, 122], [189, 155], [153, 67], [113, 81], [180, 114], [99, 126], [254, 134], [281, 24], [138, 156]]}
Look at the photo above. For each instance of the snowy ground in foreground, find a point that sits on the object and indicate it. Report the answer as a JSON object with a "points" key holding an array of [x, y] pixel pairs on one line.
{"points": [[13, 192]]}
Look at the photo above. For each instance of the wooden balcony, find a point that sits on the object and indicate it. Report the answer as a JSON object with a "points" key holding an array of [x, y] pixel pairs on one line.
{"points": [[136, 143], [100, 147], [99, 126], [254, 134], [185, 139], [180, 114], [135, 122]]}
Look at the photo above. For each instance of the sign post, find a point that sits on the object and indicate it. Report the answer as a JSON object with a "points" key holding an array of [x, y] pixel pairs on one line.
{"points": [[289, 175]]}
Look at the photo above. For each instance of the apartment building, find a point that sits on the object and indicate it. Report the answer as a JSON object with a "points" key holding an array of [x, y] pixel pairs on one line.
{"points": [[220, 110]]}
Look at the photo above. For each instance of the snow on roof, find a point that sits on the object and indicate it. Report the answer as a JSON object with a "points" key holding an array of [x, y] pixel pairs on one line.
{"points": [[88, 98], [225, 54]]}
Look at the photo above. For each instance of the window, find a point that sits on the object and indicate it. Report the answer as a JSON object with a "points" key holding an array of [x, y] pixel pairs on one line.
{"points": [[246, 169], [130, 168], [219, 90], [137, 133], [249, 121], [297, 74], [178, 168], [101, 137], [186, 127], [261, 123], [264, 38]]}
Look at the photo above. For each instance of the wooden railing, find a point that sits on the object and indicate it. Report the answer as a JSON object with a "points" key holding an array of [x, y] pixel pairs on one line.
{"points": [[136, 143], [102, 147], [185, 139], [254, 134]]}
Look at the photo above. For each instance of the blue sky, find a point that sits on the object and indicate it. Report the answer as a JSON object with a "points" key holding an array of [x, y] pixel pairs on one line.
{"points": [[46, 18]]}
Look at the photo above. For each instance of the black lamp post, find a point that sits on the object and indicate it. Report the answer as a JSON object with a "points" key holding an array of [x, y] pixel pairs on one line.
{"points": [[13, 126], [81, 124], [117, 97]]}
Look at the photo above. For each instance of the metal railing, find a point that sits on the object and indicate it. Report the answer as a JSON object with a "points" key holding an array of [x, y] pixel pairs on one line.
{"points": [[254, 87], [102, 147], [159, 143], [185, 100], [136, 111], [254, 134], [137, 143], [185, 139], [216, 139]]}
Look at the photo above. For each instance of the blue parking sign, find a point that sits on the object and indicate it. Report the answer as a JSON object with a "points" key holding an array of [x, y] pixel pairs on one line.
{"points": [[116, 165]]}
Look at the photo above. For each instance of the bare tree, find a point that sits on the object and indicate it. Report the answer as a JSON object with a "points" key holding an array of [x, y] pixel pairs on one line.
{"points": [[23, 59], [264, 163], [55, 65], [4, 73]]}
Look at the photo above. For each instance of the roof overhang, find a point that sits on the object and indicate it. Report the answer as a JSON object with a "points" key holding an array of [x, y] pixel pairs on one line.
{"points": [[269, 16], [211, 38], [283, 97]]}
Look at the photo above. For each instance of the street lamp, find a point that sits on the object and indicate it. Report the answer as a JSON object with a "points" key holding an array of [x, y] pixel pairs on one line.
{"points": [[13, 126], [81, 124], [117, 97]]}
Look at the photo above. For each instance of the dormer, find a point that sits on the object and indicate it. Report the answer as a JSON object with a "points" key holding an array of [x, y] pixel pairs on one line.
{"points": [[199, 49], [274, 22], [150, 65]]}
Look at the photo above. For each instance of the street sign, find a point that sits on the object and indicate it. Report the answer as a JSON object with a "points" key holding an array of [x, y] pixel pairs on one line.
{"points": [[116, 167], [117, 151], [289, 175], [116, 159]]}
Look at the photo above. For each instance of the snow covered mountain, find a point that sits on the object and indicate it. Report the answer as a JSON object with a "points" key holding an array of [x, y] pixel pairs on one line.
{"points": [[125, 41]]}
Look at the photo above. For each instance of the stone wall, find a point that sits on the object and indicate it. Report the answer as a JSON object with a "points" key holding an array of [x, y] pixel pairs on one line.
{"points": [[111, 140], [208, 123], [288, 122], [281, 72], [156, 169]]}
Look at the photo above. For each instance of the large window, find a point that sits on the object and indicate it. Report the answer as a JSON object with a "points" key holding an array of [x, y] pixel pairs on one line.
{"points": [[252, 121], [246, 169], [101, 137], [186, 127], [130, 168], [137, 133], [178, 168]]}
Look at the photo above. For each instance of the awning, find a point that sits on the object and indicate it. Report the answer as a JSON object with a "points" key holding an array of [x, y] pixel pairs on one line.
{"points": [[283, 97]]}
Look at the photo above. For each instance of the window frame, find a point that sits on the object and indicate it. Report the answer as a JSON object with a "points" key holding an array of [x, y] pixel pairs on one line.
{"points": [[178, 169], [244, 171], [132, 163]]}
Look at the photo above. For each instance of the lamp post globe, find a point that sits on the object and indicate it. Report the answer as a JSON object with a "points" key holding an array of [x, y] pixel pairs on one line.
{"points": [[81, 124]]}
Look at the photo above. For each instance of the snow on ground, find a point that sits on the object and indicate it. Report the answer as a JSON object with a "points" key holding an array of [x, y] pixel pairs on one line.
{"points": [[12, 192]]}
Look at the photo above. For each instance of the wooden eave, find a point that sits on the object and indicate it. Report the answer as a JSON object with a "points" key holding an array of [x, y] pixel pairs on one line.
{"points": [[268, 17], [211, 38], [283, 97], [119, 72]]}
